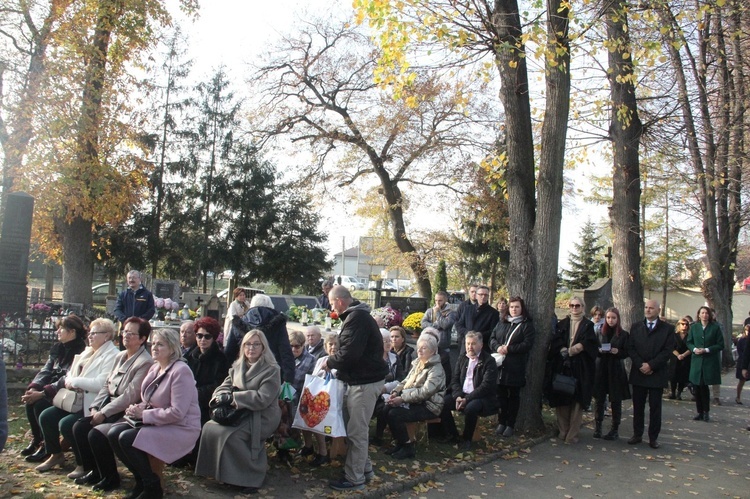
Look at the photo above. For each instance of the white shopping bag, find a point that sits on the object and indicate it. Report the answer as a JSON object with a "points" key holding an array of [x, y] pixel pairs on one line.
{"points": [[320, 407]]}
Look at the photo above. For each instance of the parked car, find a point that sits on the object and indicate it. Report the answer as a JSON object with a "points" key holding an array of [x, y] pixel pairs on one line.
{"points": [[385, 285], [99, 293], [348, 281]]}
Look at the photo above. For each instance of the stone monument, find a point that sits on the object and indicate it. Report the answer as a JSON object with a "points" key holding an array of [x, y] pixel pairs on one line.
{"points": [[15, 242]]}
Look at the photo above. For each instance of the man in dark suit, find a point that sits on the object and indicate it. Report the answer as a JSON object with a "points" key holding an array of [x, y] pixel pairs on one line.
{"points": [[650, 345], [473, 390], [483, 318]]}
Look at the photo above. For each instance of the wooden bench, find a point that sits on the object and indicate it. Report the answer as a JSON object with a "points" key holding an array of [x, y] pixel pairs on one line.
{"points": [[413, 429], [157, 466]]}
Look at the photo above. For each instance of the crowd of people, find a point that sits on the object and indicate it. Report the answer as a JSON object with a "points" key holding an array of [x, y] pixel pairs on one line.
{"points": [[208, 396]]}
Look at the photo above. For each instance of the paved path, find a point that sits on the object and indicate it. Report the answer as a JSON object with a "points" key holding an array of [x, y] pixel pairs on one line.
{"points": [[696, 459]]}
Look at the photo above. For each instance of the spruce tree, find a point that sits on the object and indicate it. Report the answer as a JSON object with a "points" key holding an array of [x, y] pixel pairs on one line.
{"points": [[585, 260]]}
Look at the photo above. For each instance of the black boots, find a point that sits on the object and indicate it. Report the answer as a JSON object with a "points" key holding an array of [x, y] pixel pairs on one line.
{"points": [[32, 448], [152, 490], [613, 434], [598, 430], [407, 451]]}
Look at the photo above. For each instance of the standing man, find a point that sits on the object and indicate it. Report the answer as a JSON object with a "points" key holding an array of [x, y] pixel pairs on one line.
{"points": [[188, 343], [314, 342], [323, 299], [483, 319], [360, 364], [650, 344], [442, 318], [136, 301]]}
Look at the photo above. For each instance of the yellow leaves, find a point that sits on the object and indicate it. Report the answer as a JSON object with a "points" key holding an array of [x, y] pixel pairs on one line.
{"points": [[513, 63]]}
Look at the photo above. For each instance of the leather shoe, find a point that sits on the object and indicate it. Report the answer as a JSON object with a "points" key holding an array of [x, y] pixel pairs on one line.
{"points": [[108, 483], [699, 417], [635, 440], [89, 478], [706, 418], [54, 460], [39, 456], [32, 448], [654, 444]]}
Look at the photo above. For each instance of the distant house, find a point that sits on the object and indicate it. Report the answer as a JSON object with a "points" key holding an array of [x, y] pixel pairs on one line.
{"points": [[362, 261]]}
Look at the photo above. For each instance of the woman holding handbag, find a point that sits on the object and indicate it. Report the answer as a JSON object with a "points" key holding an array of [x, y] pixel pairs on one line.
{"points": [[75, 391], [71, 335], [121, 389], [237, 454], [511, 341], [572, 352]]}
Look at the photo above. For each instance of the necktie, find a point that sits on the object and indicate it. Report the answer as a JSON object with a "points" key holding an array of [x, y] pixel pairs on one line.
{"points": [[650, 326]]}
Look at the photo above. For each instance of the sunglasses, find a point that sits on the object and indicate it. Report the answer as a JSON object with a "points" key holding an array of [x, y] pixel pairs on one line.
{"points": [[575, 305], [295, 345], [203, 336]]}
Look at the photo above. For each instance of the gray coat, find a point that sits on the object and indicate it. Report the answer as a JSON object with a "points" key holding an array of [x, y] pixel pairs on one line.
{"points": [[237, 454]]}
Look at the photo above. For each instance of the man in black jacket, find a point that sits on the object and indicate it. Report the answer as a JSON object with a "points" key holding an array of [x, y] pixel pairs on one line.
{"points": [[136, 301], [650, 345], [482, 319], [472, 391], [360, 364]]}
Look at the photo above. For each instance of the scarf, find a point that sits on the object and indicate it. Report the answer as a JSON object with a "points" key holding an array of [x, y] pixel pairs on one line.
{"points": [[575, 321]]}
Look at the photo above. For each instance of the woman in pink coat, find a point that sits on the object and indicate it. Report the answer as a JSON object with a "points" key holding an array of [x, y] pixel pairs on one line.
{"points": [[168, 412]]}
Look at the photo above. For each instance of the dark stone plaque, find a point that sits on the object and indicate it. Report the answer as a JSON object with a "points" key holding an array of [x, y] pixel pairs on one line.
{"points": [[14, 252]]}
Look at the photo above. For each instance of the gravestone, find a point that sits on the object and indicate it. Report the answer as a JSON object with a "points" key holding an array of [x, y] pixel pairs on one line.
{"points": [[166, 289], [15, 241]]}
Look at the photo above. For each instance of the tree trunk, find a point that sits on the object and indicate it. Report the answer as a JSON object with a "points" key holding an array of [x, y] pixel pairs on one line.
{"points": [[625, 132], [534, 231], [74, 229], [78, 268]]}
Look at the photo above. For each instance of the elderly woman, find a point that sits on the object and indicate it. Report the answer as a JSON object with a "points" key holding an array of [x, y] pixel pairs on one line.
{"points": [[393, 378], [238, 308], [121, 389], [237, 454], [572, 351], [167, 420], [264, 317], [208, 363], [403, 351], [706, 343], [86, 375], [71, 335], [511, 339], [423, 389], [304, 362], [331, 346]]}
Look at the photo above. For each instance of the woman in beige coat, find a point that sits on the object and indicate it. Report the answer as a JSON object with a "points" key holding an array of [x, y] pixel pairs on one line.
{"points": [[423, 391], [237, 454]]}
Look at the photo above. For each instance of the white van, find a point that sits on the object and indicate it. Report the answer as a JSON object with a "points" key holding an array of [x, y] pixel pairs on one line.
{"points": [[352, 283]]}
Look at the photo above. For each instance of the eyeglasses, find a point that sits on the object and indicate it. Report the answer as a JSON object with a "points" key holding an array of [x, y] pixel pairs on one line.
{"points": [[575, 305], [483, 294], [252, 345], [203, 336], [93, 333], [296, 345]]}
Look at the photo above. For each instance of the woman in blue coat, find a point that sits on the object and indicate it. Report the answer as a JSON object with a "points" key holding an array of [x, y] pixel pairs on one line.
{"points": [[706, 342]]}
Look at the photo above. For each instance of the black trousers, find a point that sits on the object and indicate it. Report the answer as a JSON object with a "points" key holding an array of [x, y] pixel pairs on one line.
{"points": [[121, 438], [640, 395], [472, 412], [101, 453], [32, 414], [397, 418], [80, 444], [703, 398], [616, 410], [509, 398]]}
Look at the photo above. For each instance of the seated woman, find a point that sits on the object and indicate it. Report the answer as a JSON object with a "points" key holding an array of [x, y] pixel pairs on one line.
{"points": [[71, 335], [423, 389], [208, 363], [169, 414], [121, 389], [403, 350], [87, 374], [237, 454], [395, 375]]}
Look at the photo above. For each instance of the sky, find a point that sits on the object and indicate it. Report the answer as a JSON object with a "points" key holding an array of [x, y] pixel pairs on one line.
{"points": [[235, 32]]}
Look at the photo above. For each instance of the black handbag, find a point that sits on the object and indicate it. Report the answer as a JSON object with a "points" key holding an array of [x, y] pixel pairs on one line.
{"points": [[563, 384], [223, 412]]}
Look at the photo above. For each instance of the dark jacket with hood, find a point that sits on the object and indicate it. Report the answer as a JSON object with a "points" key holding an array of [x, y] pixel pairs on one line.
{"points": [[273, 324], [57, 365], [359, 359]]}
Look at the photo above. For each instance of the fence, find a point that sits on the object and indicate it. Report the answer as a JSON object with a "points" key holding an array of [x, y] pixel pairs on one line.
{"points": [[26, 341]]}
